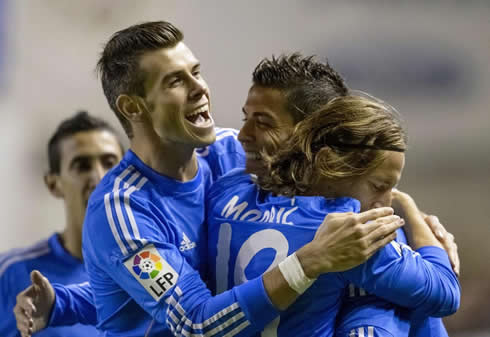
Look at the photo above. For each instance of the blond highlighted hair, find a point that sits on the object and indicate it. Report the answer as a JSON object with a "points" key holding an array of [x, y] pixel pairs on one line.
{"points": [[345, 138]]}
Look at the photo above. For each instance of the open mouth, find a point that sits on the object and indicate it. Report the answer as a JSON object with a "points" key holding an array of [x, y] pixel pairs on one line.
{"points": [[200, 116]]}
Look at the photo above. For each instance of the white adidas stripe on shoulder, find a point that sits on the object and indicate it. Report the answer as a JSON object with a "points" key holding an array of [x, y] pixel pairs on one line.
{"points": [[23, 254], [223, 133], [220, 130], [120, 221]]}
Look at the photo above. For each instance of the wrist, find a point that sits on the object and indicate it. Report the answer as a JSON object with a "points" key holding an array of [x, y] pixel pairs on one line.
{"points": [[311, 265], [293, 272]]}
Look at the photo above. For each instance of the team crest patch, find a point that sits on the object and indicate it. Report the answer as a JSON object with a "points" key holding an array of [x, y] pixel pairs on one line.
{"points": [[152, 271]]}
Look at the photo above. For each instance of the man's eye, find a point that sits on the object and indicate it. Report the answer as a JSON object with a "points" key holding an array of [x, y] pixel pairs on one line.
{"points": [[109, 163], [83, 167], [175, 82], [263, 124]]}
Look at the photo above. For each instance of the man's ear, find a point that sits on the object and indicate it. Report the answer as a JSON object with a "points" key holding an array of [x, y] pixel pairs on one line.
{"points": [[128, 106], [53, 183]]}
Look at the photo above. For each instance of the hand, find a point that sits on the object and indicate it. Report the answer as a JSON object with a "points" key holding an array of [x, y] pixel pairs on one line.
{"points": [[34, 305], [345, 240], [446, 239]]}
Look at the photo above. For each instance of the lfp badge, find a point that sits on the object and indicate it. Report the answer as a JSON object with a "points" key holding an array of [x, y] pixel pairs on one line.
{"points": [[147, 265], [152, 271]]}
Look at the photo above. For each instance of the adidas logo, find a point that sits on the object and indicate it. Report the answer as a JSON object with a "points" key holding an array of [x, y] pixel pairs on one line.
{"points": [[186, 244]]}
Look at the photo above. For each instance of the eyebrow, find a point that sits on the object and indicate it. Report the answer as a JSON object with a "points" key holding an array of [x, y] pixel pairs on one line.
{"points": [[179, 72], [260, 113], [78, 159]]}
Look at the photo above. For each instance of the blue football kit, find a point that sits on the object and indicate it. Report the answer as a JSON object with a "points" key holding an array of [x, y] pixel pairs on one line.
{"points": [[251, 231], [364, 314], [143, 246], [218, 159], [51, 259]]}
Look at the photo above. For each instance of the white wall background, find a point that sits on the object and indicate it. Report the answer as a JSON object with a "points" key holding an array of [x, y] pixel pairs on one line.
{"points": [[53, 45]]}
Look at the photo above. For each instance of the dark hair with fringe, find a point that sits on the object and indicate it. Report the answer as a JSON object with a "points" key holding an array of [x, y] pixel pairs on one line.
{"points": [[290, 73], [118, 66], [80, 122]]}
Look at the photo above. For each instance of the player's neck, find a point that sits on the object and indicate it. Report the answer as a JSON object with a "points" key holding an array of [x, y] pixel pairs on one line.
{"points": [[71, 240], [172, 160]]}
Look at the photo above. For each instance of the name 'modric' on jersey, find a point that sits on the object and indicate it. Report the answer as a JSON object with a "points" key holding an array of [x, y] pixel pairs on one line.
{"points": [[272, 215]]}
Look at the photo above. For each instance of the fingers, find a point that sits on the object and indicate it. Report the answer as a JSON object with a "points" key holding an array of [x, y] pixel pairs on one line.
{"points": [[39, 280], [436, 227], [380, 243], [373, 214], [383, 228], [24, 321], [382, 224], [447, 240]]}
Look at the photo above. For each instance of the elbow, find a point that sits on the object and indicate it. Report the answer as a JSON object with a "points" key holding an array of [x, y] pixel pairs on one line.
{"points": [[450, 301]]}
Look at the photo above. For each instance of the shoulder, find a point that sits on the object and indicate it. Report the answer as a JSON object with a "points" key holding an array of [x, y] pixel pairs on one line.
{"points": [[226, 142], [127, 183], [235, 182], [14, 263], [235, 178]]}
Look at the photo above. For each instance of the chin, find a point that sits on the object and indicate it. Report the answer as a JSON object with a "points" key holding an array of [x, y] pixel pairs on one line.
{"points": [[204, 140]]}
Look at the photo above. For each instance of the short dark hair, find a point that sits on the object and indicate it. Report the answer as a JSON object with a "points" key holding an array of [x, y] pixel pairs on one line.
{"points": [[305, 82], [81, 121], [118, 66]]}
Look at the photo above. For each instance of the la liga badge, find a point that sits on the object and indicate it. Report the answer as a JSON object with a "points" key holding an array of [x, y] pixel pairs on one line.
{"points": [[152, 271]]}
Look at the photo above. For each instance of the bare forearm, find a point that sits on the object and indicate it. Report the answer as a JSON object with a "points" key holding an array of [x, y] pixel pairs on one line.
{"points": [[418, 232], [278, 290]]}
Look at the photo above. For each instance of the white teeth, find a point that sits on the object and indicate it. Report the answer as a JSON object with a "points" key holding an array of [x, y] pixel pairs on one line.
{"points": [[201, 110]]}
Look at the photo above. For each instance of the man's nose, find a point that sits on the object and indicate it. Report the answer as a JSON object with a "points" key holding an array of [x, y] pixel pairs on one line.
{"points": [[96, 174], [245, 134]]}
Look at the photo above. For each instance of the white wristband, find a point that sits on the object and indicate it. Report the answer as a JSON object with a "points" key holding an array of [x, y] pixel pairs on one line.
{"points": [[294, 274]]}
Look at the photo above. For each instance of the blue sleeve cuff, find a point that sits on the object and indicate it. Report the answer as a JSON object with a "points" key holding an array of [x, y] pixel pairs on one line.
{"points": [[432, 253], [56, 317], [256, 303]]}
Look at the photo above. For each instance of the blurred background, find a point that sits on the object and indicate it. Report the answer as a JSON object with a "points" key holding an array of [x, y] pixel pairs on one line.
{"points": [[428, 59]]}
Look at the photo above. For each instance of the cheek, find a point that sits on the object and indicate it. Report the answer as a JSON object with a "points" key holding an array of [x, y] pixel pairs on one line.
{"points": [[273, 139], [169, 122]]}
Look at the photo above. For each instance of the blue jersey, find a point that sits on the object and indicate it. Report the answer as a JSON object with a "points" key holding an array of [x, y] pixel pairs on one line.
{"points": [[363, 314], [75, 303], [51, 259], [143, 245], [250, 231]]}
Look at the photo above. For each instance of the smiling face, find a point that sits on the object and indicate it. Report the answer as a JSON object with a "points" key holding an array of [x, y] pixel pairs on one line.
{"points": [[372, 189], [267, 124], [177, 97]]}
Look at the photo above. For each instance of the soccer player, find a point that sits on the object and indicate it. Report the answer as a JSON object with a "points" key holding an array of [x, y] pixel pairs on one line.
{"points": [[143, 232], [280, 103], [353, 148], [276, 102], [82, 149]]}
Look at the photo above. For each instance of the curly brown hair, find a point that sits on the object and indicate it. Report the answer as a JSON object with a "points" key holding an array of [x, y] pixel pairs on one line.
{"points": [[342, 139]]}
